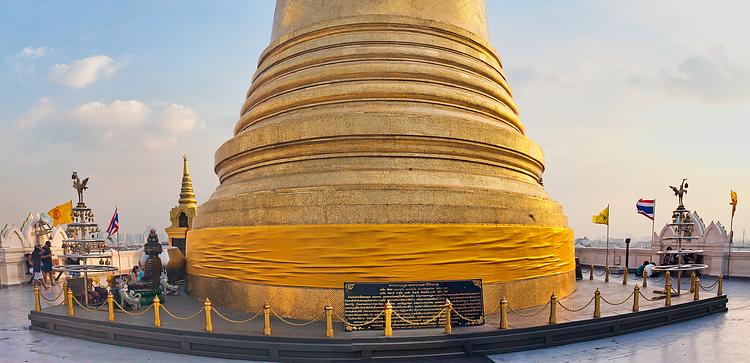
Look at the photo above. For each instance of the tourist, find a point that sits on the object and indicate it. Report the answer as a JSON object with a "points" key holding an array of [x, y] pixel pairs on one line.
{"points": [[29, 268], [649, 269], [36, 264], [136, 274], [669, 258], [47, 263], [639, 272]]}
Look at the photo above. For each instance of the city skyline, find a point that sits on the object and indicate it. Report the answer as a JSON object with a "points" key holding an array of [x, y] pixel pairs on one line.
{"points": [[622, 103]]}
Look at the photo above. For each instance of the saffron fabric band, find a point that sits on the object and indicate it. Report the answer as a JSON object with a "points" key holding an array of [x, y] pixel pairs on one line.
{"points": [[325, 256]]}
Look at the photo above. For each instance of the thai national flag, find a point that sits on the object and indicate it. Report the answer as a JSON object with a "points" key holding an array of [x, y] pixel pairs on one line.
{"points": [[646, 207], [114, 224]]}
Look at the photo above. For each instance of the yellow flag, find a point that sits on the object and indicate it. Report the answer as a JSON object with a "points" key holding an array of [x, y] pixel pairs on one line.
{"points": [[733, 196], [62, 213], [602, 218]]}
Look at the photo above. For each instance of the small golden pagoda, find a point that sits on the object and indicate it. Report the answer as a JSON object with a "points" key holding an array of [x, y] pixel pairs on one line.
{"points": [[379, 142], [182, 215]]}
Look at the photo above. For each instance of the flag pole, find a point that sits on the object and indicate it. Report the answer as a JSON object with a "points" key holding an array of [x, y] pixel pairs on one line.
{"points": [[731, 238], [653, 225], [119, 259], [608, 219]]}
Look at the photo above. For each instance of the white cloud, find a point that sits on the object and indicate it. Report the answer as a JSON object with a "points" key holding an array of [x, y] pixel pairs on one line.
{"points": [[711, 78], [178, 118], [43, 108], [33, 53], [82, 72], [118, 113]]}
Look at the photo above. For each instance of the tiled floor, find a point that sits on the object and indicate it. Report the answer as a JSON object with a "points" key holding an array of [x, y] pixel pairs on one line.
{"points": [[714, 338]]}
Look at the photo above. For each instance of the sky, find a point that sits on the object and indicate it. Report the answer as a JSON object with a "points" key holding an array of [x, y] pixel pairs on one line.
{"points": [[625, 98]]}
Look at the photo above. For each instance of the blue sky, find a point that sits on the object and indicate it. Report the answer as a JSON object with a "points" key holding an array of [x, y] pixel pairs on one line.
{"points": [[624, 97]]}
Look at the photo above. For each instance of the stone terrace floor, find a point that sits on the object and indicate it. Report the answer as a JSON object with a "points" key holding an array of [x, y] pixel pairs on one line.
{"points": [[713, 338]]}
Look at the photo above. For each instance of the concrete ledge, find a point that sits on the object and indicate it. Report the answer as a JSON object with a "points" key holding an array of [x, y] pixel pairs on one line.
{"points": [[278, 348]]}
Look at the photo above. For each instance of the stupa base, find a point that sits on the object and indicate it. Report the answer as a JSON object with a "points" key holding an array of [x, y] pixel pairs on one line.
{"points": [[306, 303]]}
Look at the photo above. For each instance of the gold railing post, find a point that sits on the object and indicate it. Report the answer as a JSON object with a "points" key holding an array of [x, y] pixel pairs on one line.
{"points": [[667, 278], [636, 293], [448, 308], [720, 289], [208, 307], [697, 289], [329, 321], [37, 302], [668, 290], [591, 272], [625, 276], [606, 273], [553, 309], [157, 308], [71, 311], [692, 281], [388, 330], [266, 319], [110, 306], [597, 304], [645, 278], [503, 313]]}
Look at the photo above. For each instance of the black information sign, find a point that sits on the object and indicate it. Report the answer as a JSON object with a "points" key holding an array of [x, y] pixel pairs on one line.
{"points": [[416, 302]]}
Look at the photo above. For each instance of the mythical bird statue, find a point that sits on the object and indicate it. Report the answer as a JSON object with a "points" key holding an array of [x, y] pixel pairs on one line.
{"points": [[79, 185], [679, 193]]}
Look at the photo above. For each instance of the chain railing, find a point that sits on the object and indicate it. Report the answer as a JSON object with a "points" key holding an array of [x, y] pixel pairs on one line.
{"points": [[179, 317], [98, 308], [710, 287], [122, 309], [514, 311], [575, 310], [419, 323], [385, 315], [462, 317], [237, 321], [285, 321], [618, 303], [360, 325], [50, 302]]}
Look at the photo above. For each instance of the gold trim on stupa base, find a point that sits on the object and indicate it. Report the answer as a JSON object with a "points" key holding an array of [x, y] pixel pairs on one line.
{"points": [[379, 141]]}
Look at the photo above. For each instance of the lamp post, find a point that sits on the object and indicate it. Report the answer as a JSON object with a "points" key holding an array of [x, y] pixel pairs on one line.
{"points": [[627, 254]]}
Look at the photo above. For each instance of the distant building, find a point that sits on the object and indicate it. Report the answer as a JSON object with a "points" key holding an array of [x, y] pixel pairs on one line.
{"points": [[182, 215]]}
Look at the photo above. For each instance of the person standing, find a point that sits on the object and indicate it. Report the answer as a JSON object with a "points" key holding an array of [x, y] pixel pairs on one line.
{"points": [[47, 262], [36, 265]]}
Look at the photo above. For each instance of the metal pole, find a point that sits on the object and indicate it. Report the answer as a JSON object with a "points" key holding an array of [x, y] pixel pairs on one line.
{"points": [[119, 259], [731, 238], [608, 212], [627, 254], [653, 224]]}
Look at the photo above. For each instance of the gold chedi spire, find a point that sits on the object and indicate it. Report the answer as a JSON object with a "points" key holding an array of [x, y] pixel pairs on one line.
{"points": [[379, 141], [187, 196]]}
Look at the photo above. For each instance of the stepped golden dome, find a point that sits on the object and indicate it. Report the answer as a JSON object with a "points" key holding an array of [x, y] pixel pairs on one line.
{"points": [[379, 141]]}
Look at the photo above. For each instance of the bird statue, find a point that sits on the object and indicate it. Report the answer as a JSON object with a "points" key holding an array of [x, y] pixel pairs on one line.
{"points": [[679, 193], [79, 186]]}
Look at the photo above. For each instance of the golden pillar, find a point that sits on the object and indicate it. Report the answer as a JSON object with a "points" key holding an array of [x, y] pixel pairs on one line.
{"points": [[379, 141], [388, 329], [329, 321], [37, 302], [553, 309], [157, 311], [503, 313], [207, 307]]}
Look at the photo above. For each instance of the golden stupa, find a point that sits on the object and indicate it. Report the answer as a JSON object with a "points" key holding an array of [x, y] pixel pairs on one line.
{"points": [[379, 141]]}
